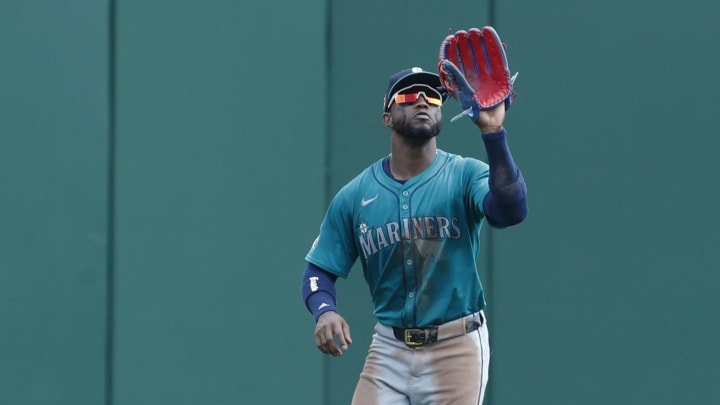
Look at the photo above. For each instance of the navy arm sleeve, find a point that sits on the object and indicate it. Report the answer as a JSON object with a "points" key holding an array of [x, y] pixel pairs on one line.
{"points": [[506, 203], [318, 290]]}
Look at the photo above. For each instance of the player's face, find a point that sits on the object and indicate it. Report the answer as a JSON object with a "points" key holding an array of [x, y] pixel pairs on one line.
{"points": [[419, 119]]}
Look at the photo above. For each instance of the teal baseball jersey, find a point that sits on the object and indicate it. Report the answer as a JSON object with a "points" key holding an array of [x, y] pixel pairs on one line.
{"points": [[417, 241]]}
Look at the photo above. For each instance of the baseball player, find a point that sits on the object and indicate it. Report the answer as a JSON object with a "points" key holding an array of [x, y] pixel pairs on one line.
{"points": [[413, 220]]}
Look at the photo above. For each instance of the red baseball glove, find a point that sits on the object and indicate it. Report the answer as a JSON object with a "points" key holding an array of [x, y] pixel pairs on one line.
{"points": [[474, 70]]}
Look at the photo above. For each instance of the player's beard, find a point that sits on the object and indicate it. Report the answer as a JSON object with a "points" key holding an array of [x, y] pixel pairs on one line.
{"points": [[406, 128]]}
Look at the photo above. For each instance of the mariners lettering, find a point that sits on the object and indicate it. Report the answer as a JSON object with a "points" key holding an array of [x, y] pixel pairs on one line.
{"points": [[393, 234], [374, 240]]}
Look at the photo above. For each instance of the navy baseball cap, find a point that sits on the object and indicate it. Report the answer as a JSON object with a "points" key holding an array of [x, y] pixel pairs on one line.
{"points": [[407, 77]]}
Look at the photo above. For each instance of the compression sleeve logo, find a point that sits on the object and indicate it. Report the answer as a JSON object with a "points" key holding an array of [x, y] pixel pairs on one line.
{"points": [[314, 283]]}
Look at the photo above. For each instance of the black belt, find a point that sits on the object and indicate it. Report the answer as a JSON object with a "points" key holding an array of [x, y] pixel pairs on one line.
{"points": [[414, 337]]}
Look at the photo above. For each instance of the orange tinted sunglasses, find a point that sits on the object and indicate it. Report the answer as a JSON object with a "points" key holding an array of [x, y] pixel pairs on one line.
{"points": [[411, 94]]}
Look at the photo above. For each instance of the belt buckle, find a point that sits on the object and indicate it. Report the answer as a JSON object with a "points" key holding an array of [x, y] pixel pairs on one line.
{"points": [[409, 336]]}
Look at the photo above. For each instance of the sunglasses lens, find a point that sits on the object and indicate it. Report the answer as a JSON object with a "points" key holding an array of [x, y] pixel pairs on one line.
{"points": [[407, 98], [411, 95], [434, 101]]}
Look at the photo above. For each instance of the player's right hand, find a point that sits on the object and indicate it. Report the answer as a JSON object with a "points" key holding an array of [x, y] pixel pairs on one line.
{"points": [[330, 325]]}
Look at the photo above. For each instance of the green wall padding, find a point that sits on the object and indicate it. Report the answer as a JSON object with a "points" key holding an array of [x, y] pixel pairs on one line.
{"points": [[221, 146], [53, 203]]}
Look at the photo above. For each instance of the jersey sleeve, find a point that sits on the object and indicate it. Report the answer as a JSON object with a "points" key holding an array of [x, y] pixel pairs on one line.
{"points": [[334, 248]]}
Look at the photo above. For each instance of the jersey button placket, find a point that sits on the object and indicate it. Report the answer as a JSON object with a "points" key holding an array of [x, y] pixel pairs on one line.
{"points": [[405, 201], [408, 263]]}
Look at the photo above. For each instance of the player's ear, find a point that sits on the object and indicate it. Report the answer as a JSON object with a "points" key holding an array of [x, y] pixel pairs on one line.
{"points": [[387, 119]]}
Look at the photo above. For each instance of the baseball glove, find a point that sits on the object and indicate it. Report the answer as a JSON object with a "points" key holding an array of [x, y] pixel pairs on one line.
{"points": [[474, 70]]}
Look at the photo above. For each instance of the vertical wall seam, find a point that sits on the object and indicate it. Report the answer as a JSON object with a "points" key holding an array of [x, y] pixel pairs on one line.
{"points": [[110, 263], [327, 156], [328, 94], [489, 251], [490, 248]]}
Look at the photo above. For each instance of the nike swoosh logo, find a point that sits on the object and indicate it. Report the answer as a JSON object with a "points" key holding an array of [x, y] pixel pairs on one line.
{"points": [[323, 305], [365, 202]]}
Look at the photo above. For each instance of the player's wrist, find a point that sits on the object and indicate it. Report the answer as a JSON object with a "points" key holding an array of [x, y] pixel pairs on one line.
{"points": [[490, 129], [326, 311]]}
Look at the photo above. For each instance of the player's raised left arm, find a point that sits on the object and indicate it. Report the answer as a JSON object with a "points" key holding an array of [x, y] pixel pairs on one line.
{"points": [[506, 202]]}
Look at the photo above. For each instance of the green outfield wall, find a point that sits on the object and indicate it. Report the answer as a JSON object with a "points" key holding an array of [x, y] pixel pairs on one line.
{"points": [[165, 166], [53, 202]]}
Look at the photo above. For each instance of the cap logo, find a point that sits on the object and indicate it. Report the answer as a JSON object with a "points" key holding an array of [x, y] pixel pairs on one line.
{"points": [[416, 70]]}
